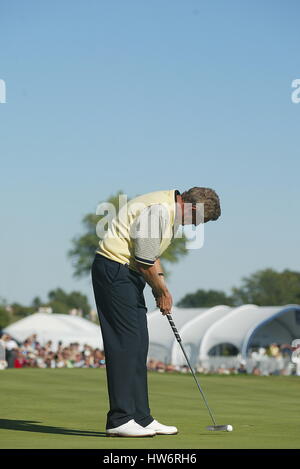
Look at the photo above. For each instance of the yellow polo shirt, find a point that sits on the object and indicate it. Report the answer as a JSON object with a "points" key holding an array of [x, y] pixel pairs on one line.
{"points": [[118, 243]]}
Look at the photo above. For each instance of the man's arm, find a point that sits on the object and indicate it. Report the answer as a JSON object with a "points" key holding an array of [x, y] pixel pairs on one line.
{"points": [[147, 232], [160, 272], [159, 288], [159, 268]]}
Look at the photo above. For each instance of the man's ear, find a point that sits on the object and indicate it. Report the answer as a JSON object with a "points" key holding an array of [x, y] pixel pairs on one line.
{"points": [[183, 195]]}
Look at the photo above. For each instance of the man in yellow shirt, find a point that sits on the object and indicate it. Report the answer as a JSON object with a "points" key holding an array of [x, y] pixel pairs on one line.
{"points": [[127, 259]]}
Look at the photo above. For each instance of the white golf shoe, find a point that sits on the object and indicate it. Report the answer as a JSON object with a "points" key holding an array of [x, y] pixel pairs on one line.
{"points": [[161, 429], [130, 429]]}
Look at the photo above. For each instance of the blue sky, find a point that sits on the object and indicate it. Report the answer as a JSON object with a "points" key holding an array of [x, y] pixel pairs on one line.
{"points": [[141, 96]]}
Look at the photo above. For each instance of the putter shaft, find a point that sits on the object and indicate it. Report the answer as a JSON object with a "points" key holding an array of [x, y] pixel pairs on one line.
{"points": [[178, 338]]}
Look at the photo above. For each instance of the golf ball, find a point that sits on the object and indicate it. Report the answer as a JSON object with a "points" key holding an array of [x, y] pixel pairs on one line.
{"points": [[229, 428]]}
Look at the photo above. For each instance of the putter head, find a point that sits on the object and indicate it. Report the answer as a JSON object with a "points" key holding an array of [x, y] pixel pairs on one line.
{"points": [[220, 428]]}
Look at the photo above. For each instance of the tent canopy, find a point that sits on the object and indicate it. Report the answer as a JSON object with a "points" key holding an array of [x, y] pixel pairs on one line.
{"points": [[253, 325], [203, 329], [57, 327], [161, 336], [193, 332]]}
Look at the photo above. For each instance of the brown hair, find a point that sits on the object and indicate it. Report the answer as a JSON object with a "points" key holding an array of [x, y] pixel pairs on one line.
{"points": [[209, 197]]}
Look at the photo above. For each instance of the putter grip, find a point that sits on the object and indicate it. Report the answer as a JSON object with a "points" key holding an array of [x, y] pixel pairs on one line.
{"points": [[178, 338]]}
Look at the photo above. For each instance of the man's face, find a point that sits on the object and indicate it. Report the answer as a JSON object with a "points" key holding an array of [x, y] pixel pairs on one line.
{"points": [[192, 215]]}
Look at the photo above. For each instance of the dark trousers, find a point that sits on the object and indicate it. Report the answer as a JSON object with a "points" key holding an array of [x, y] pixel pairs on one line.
{"points": [[122, 315]]}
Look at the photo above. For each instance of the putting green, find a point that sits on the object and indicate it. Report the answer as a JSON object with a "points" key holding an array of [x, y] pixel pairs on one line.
{"points": [[66, 408]]}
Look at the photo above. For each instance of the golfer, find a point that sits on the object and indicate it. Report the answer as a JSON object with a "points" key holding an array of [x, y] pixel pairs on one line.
{"points": [[127, 259]]}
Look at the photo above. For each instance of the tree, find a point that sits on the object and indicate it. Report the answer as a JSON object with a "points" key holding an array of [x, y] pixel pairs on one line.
{"points": [[59, 307], [5, 318], [19, 311], [269, 288], [205, 299], [13, 312], [84, 246], [36, 302], [62, 302]]}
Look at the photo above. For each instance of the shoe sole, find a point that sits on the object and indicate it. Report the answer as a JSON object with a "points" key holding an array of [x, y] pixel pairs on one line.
{"points": [[163, 433], [130, 436]]}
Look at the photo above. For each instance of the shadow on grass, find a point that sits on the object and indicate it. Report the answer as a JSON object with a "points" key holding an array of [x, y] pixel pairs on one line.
{"points": [[32, 426]]}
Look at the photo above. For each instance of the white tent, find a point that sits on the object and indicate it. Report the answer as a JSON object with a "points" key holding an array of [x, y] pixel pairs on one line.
{"points": [[253, 325], [224, 331], [192, 333], [57, 327], [203, 329], [161, 336]]}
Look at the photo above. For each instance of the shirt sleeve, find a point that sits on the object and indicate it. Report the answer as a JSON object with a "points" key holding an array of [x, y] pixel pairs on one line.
{"points": [[147, 234]]}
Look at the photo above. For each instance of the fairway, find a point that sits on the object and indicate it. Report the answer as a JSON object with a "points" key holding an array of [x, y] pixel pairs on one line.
{"points": [[66, 408]]}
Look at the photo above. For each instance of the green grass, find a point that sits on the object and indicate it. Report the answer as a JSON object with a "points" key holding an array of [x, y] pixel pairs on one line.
{"points": [[66, 408]]}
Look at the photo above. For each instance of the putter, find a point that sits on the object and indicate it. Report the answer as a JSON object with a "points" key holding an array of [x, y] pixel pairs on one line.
{"points": [[214, 427]]}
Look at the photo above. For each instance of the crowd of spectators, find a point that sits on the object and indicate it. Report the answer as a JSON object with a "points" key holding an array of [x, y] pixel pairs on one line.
{"points": [[274, 359], [32, 354], [262, 361]]}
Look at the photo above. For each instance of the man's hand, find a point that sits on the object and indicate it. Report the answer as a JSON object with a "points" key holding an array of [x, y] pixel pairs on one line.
{"points": [[160, 292], [164, 302]]}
